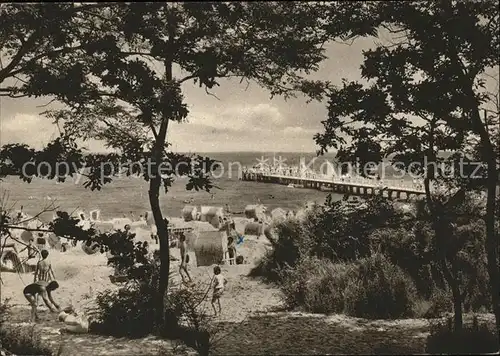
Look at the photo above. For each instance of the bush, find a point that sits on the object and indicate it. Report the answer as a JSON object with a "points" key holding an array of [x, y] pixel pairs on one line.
{"points": [[132, 310], [288, 249], [410, 250], [299, 284], [326, 295], [23, 341], [372, 288], [333, 231], [440, 302], [189, 321], [128, 311], [472, 339], [380, 290]]}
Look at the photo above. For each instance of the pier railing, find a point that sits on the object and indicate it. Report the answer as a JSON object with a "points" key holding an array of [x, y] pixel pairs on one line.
{"points": [[401, 185]]}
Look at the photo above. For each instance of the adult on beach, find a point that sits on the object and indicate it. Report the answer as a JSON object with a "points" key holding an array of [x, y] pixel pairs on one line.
{"points": [[231, 243]]}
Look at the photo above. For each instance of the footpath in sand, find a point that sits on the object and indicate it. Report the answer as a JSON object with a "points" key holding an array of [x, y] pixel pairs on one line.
{"points": [[82, 276], [252, 322]]}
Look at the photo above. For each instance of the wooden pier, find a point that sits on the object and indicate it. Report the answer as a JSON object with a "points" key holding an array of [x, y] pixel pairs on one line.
{"points": [[352, 186]]}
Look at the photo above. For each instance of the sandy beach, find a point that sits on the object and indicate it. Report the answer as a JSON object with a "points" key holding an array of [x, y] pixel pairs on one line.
{"points": [[253, 319]]}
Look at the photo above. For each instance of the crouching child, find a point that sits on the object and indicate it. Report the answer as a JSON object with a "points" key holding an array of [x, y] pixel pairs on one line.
{"points": [[44, 289]]}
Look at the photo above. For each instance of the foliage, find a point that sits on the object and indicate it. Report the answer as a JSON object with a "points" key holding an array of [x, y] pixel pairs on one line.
{"points": [[4, 309], [369, 288], [194, 325], [131, 309], [32, 35], [426, 91], [342, 234], [439, 303], [126, 311], [427, 258], [410, 250], [315, 285], [286, 251], [379, 290], [128, 255], [23, 341], [472, 339], [115, 75], [333, 231], [388, 106]]}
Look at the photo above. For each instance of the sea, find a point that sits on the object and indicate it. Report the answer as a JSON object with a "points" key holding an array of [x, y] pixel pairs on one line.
{"points": [[126, 196]]}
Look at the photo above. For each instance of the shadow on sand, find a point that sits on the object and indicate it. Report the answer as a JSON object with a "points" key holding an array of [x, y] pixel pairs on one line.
{"points": [[311, 335]]}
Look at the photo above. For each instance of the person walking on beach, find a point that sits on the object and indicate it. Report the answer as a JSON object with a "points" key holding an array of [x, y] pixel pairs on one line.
{"points": [[218, 282], [231, 249], [184, 258], [44, 270], [231, 243], [154, 234]]}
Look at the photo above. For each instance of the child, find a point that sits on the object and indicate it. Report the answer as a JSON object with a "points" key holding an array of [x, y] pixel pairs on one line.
{"points": [[231, 248], [43, 289], [184, 258], [44, 270], [219, 282]]}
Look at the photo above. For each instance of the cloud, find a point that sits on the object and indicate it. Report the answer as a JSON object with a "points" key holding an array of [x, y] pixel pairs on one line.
{"points": [[298, 131], [239, 118], [243, 119]]}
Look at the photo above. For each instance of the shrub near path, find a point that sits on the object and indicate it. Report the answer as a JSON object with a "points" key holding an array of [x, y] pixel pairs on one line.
{"points": [[264, 333]]}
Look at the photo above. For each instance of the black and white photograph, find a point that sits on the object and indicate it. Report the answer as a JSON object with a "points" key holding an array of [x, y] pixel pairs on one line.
{"points": [[250, 178]]}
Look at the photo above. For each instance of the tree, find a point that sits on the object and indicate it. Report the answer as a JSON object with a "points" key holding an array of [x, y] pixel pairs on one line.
{"points": [[33, 34], [113, 92], [424, 93]]}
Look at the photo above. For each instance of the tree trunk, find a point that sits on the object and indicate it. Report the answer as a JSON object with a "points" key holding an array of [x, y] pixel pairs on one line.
{"points": [[154, 200], [492, 243], [440, 231], [457, 305], [470, 104]]}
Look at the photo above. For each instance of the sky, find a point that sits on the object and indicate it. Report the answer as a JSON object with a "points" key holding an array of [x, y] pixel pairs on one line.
{"points": [[241, 118]]}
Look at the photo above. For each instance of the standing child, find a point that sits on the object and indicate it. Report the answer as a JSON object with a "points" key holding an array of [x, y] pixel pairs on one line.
{"points": [[44, 270], [219, 282]]}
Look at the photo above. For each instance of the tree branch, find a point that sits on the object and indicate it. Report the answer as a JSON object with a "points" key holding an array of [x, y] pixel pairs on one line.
{"points": [[8, 93], [185, 79], [15, 227], [211, 94], [45, 105], [5, 72]]}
